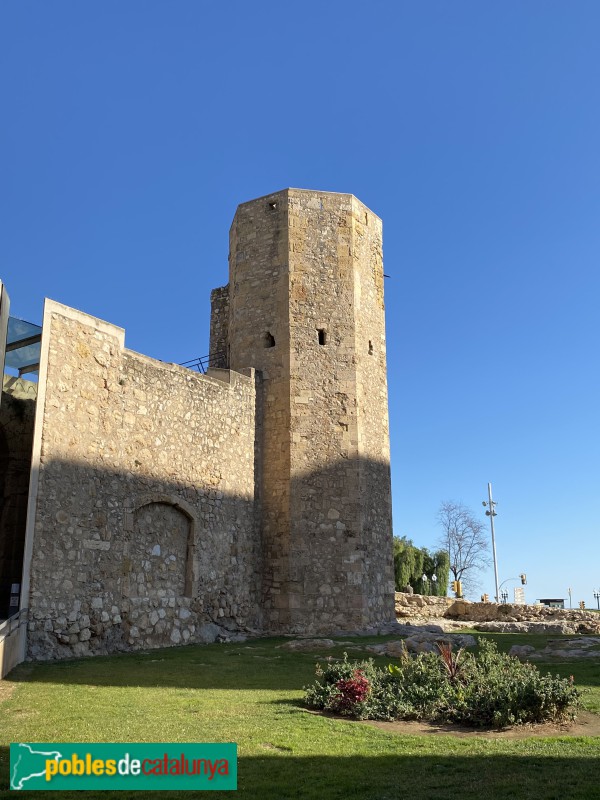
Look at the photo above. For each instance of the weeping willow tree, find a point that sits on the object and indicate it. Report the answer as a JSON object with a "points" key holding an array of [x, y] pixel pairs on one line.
{"points": [[411, 563]]}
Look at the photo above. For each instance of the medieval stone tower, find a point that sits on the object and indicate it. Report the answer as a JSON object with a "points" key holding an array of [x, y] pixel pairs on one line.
{"points": [[304, 307], [163, 505]]}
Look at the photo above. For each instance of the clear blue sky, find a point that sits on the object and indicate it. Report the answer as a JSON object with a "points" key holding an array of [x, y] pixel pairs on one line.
{"points": [[131, 130]]}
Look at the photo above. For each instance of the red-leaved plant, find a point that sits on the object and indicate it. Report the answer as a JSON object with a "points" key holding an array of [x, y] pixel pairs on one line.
{"points": [[451, 661], [351, 691]]}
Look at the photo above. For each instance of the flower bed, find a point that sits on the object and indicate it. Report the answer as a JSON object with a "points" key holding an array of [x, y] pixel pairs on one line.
{"points": [[487, 689]]}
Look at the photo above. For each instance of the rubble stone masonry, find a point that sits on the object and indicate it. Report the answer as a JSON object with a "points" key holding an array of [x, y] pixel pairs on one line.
{"points": [[306, 309], [165, 503], [144, 523]]}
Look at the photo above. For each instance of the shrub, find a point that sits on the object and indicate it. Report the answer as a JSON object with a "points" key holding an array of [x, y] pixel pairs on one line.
{"points": [[343, 687], [497, 689], [351, 691], [486, 689]]}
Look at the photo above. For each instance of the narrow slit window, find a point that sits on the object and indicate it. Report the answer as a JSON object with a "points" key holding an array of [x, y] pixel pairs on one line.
{"points": [[269, 340], [322, 336], [370, 347]]}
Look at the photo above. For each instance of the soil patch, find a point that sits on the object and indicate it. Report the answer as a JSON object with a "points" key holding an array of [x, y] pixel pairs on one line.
{"points": [[586, 724]]}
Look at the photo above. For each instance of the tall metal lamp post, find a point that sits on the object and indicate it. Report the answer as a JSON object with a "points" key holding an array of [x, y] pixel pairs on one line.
{"points": [[491, 513], [570, 598], [597, 597], [434, 583]]}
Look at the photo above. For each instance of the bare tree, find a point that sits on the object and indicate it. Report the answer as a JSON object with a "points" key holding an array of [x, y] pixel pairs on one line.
{"points": [[464, 538]]}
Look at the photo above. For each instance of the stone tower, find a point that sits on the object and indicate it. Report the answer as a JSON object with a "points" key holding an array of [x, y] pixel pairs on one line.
{"points": [[305, 308]]}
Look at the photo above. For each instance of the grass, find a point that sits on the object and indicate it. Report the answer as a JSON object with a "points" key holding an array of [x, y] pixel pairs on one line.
{"points": [[251, 693]]}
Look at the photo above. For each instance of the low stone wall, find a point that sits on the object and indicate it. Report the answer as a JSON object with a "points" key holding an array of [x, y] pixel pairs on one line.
{"points": [[423, 606], [492, 612], [419, 605]]}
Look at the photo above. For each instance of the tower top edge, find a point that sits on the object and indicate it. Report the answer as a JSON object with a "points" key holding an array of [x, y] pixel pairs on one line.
{"points": [[293, 190]]}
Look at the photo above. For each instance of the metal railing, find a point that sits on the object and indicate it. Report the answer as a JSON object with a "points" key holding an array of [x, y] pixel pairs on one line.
{"points": [[13, 623], [205, 362]]}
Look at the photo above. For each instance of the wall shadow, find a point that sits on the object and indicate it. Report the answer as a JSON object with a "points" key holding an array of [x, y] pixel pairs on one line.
{"points": [[17, 411], [88, 549], [203, 667], [395, 776]]}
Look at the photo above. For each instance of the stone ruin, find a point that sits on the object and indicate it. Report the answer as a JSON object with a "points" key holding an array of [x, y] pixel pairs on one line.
{"points": [[146, 504]]}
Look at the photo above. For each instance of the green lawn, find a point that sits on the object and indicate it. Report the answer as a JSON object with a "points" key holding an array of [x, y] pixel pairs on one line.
{"points": [[251, 693]]}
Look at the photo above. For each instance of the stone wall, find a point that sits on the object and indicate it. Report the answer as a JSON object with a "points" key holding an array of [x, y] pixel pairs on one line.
{"points": [[306, 294], [373, 446], [17, 413], [219, 327], [492, 612], [423, 606], [164, 501], [144, 529], [259, 335], [418, 605]]}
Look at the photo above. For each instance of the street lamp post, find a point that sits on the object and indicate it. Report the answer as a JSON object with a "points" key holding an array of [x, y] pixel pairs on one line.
{"points": [[570, 598], [491, 513], [597, 597], [434, 582], [424, 582], [504, 596]]}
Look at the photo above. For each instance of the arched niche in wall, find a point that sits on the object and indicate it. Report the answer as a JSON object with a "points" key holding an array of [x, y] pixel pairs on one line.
{"points": [[161, 548]]}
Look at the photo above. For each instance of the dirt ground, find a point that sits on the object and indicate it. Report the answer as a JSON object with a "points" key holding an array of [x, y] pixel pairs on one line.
{"points": [[586, 724]]}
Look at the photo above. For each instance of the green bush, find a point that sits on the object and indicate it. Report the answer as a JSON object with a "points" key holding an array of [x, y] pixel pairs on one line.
{"points": [[497, 689], [487, 689]]}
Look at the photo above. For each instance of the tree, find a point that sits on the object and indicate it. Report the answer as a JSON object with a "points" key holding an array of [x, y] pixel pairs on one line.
{"points": [[437, 564], [408, 562], [411, 562], [465, 541]]}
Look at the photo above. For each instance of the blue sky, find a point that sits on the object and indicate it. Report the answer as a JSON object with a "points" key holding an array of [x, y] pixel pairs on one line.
{"points": [[131, 131]]}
